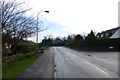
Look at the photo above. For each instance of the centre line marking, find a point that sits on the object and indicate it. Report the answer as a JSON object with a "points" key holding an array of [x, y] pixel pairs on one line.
{"points": [[96, 67], [67, 58]]}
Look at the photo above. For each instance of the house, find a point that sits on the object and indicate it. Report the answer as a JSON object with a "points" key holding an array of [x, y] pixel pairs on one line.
{"points": [[112, 33], [116, 34]]}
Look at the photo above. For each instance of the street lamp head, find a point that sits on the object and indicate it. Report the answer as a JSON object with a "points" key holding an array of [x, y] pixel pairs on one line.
{"points": [[47, 11]]}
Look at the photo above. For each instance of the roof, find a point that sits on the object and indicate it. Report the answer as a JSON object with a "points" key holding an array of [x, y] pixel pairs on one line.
{"points": [[113, 31], [116, 34]]}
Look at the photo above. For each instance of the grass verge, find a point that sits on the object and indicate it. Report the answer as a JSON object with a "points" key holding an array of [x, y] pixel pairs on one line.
{"points": [[46, 48], [11, 70]]}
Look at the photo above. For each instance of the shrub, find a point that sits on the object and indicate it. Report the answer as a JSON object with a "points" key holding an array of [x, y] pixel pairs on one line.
{"points": [[25, 48]]}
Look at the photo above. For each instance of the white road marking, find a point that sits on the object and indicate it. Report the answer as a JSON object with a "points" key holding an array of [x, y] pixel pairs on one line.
{"points": [[55, 75], [66, 58], [96, 67]]}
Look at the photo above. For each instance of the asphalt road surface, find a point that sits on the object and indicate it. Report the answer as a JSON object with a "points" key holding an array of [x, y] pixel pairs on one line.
{"points": [[62, 62], [73, 64]]}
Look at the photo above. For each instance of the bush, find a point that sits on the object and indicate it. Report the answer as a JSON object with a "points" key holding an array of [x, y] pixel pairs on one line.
{"points": [[12, 58], [25, 48], [22, 51]]}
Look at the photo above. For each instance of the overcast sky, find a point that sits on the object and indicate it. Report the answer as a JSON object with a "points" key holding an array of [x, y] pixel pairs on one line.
{"points": [[75, 16]]}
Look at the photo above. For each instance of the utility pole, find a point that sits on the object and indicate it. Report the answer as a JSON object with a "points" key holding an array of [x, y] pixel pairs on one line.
{"points": [[37, 28]]}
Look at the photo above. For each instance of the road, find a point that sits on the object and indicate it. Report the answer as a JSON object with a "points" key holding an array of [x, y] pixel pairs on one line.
{"points": [[62, 62], [73, 64]]}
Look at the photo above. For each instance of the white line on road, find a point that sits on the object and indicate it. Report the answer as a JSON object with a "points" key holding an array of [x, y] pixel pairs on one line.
{"points": [[66, 58], [96, 67]]}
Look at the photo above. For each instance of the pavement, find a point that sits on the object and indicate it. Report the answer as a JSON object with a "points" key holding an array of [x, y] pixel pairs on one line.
{"points": [[42, 68]]}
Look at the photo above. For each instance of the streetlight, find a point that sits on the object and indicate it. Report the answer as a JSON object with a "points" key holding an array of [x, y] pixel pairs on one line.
{"points": [[37, 26]]}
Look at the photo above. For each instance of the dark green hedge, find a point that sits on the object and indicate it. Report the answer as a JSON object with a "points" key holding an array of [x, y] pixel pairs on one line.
{"points": [[99, 43], [25, 48], [103, 44]]}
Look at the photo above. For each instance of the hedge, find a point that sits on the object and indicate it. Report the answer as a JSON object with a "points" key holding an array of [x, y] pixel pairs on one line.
{"points": [[25, 48]]}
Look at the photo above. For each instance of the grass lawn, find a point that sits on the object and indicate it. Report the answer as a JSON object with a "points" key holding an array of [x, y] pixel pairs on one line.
{"points": [[11, 70]]}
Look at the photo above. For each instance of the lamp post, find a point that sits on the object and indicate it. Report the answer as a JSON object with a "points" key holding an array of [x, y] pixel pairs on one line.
{"points": [[37, 27]]}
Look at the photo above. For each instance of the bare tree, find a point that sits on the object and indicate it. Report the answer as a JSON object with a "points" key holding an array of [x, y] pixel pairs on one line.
{"points": [[14, 25]]}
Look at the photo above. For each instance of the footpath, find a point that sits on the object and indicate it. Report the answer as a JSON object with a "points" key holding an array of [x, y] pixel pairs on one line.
{"points": [[43, 67]]}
